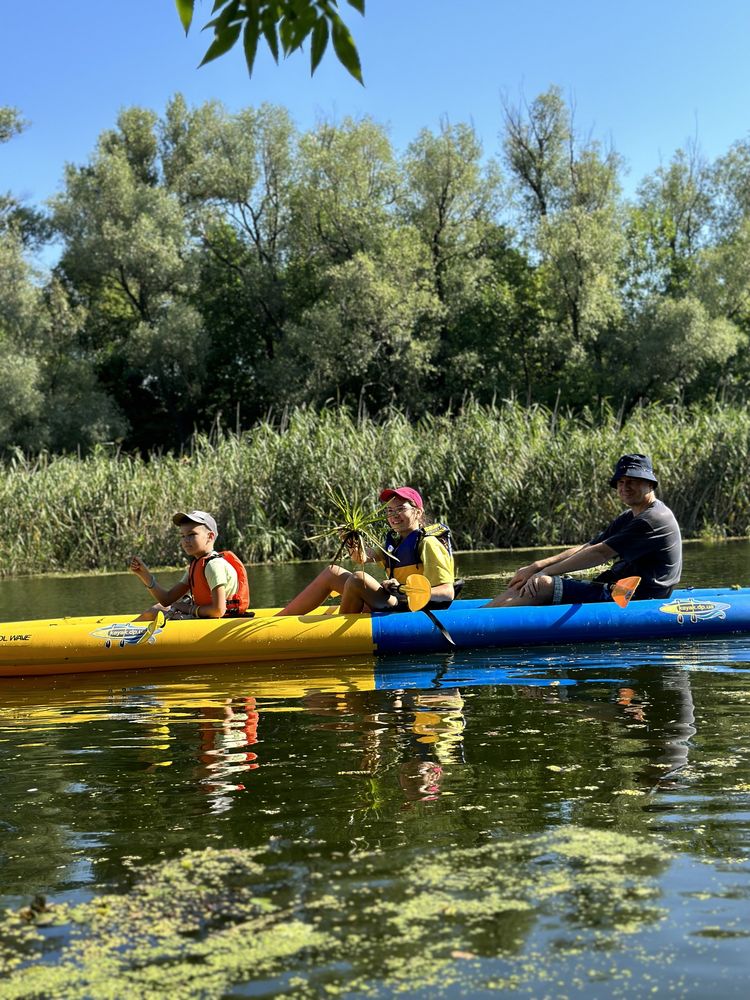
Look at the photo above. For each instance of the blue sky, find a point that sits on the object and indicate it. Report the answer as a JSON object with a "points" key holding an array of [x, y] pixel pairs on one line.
{"points": [[646, 76]]}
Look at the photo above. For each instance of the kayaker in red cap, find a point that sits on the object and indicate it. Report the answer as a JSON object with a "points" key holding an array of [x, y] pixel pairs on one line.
{"points": [[644, 541], [410, 546]]}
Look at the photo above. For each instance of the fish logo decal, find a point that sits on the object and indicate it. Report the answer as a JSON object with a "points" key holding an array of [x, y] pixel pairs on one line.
{"points": [[126, 634], [695, 611]]}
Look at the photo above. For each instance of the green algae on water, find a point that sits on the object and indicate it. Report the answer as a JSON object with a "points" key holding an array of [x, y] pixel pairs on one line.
{"points": [[440, 920], [189, 927]]}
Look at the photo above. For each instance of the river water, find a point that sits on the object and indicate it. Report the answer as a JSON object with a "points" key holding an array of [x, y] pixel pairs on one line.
{"points": [[542, 822]]}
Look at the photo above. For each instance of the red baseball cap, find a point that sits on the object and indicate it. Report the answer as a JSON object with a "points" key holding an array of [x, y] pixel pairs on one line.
{"points": [[405, 493]]}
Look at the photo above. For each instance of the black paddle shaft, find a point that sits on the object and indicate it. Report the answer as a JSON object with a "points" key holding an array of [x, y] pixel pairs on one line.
{"points": [[441, 628]]}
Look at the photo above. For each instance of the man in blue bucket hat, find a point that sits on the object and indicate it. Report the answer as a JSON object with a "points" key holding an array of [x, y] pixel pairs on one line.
{"points": [[644, 541]]}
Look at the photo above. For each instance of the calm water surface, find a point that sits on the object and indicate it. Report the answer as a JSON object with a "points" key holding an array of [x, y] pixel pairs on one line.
{"points": [[545, 822]]}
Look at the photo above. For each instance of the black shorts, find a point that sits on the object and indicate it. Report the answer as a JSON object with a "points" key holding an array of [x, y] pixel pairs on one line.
{"points": [[403, 605]]}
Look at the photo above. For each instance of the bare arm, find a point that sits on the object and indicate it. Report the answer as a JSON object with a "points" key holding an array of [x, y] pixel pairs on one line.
{"points": [[524, 574], [442, 592], [581, 557], [147, 578], [218, 606], [584, 557]]}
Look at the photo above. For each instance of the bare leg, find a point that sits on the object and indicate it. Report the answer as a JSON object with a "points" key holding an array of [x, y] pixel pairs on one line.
{"points": [[537, 591], [362, 592], [330, 580]]}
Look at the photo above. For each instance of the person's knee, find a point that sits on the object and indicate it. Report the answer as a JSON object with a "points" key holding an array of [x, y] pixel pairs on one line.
{"points": [[333, 575], [355, 584], [545, 588]]}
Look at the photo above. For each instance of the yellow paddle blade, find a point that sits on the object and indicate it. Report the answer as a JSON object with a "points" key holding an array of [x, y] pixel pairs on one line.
{"points": [[153, 626], [624, 589], [418, 591]]}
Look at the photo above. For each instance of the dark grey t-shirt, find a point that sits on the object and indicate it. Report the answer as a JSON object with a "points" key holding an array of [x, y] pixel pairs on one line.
{"points": [[649, 545]]}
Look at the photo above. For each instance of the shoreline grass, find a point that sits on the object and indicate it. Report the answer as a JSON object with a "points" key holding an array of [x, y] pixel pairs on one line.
{"points": [[504, 477]]}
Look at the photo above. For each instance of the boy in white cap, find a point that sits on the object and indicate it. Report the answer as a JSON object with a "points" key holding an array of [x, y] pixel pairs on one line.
{"points": [[211, 587]]}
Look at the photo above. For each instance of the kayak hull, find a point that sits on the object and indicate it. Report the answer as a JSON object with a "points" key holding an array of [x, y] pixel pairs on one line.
{"points": [[71, 645]]}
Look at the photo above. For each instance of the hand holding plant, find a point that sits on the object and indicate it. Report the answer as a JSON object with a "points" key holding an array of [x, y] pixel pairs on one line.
{"points": [[356, 527]]}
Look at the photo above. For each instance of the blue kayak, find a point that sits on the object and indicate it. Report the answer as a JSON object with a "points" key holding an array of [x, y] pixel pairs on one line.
{"points": [[687, 613]]}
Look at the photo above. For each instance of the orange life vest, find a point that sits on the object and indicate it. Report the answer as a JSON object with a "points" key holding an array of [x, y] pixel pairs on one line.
{"points": [[238, 603]]}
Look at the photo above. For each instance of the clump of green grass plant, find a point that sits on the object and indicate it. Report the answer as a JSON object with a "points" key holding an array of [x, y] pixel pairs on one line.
{"points": [[355, 526]]}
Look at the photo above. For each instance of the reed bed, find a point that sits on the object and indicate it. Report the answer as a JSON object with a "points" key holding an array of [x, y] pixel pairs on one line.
{"points": [[504, 476]]}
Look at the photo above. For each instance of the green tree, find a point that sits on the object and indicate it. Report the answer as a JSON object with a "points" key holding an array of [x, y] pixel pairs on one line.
{"points": [[49, 396], [78, 412], [667, 347], [371, 337], [129, 260], [670, 225], [452, 199], [344, 193], [234, 176], [20, 394], [722, 266], [580, 253], [26, 222], [568, 193], [730, 189], [552, 168], [722, 277], [536, 143], [11, 123], [498, 346], [361, 273]]}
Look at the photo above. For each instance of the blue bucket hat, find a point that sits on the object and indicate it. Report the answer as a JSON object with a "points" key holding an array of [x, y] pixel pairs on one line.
{"points": [[637, 466]]}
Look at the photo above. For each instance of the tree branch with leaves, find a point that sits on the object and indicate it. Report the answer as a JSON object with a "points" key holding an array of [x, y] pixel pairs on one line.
{"points": [[285, 25]]}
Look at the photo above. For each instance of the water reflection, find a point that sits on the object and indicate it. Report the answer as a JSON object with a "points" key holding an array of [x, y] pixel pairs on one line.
{"points": [[668, 718], [407, 722], [417, 732], [516, 803], [226, 736]]}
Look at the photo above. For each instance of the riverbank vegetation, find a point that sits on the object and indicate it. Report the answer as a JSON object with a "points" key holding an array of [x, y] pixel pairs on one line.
{"points": [[502, 476], [244, 315], [218, 264]]}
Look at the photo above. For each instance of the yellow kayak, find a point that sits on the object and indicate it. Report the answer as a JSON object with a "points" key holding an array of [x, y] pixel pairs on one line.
{"points": [[68, 645]]}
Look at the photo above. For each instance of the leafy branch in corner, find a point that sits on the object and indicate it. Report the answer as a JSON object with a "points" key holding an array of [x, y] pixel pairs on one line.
{"points": [[284, 24]]}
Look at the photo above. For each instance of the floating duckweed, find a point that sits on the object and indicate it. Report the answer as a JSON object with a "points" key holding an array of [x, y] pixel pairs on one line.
{"points": [[212, 920], [189, 927]]}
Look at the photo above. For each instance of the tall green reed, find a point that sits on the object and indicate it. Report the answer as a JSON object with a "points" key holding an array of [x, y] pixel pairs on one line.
{"points": [[503, 476]]}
